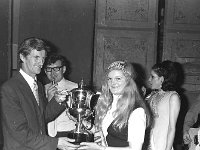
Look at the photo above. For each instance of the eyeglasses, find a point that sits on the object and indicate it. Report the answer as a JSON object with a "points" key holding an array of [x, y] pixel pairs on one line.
{"points": [[49, 69]]}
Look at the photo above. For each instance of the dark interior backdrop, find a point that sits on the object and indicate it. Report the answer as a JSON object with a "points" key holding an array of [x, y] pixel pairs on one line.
{"points": [[4, 40], [69, 27]]}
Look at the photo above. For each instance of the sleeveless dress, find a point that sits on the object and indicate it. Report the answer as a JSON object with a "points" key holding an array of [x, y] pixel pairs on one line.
{"points": [[133, 133], [116, 138], [159, 104]]}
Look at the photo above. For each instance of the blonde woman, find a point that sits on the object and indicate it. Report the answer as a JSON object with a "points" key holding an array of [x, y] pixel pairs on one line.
{"points": [[121, 113]]}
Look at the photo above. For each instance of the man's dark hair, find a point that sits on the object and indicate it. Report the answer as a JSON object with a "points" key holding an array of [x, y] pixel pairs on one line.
{"points": [[30, 44], [53, 58]]}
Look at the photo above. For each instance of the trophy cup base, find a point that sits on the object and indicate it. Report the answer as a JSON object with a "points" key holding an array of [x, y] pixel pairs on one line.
{"points": [[81, 137]]}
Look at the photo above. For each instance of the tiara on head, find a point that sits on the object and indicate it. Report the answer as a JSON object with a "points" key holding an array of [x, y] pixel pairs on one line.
{"points": [[119, 65]]}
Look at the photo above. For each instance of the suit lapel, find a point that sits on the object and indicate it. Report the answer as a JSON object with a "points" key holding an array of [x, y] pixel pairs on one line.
{"points": [[27, 91]]}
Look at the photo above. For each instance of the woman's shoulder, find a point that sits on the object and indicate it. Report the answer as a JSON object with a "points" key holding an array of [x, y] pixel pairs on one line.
{"points": [[138, 111], [138, 114], [173, 94], [174, 98]]}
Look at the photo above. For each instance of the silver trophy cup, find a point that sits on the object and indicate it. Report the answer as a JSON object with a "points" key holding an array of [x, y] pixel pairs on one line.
{"points": [[80, 109]]}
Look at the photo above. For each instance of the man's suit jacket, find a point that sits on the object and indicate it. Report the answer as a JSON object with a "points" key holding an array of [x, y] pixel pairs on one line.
{"points": [[24, 126]]}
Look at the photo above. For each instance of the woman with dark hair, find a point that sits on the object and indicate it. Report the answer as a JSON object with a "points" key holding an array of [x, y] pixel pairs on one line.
{"points": [[164, 102], [121, 113]]}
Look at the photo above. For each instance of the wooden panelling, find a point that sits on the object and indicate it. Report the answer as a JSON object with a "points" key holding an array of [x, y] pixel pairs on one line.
{"points": [[126, 13], [134, 46], [183, 14], [125, 30], [182, 39]]}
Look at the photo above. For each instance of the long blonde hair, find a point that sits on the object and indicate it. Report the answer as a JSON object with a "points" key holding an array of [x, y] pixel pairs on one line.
{"points": [[129, 100]]}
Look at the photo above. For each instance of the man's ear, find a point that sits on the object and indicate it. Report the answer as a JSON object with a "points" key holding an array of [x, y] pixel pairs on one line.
{"points": [[64, 69], [21, 57]]}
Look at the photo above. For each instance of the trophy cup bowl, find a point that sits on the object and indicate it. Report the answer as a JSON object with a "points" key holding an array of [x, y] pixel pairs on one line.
{"points": [[80, 109]]}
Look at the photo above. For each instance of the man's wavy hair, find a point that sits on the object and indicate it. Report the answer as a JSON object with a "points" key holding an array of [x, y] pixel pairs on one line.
{"points": [[166, 69], [130, 99], [30, 44], [53, 58]]}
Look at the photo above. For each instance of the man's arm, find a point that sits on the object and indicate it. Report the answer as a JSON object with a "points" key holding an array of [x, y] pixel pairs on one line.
{"points": [[53, 110], [191, 116], [190, 119]]}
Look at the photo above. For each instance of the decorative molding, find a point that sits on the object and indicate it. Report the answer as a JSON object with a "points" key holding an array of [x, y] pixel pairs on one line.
{"points": [[134, 46], [182, 15], [125, 48], [127, 13], [127, 10], [186, 12]]}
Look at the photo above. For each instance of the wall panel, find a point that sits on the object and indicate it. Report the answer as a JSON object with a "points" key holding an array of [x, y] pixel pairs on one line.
{"points": [[125, 30], [182, 41]]}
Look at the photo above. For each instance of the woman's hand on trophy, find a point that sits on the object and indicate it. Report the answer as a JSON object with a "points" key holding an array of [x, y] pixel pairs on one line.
{"points": [[64, 144], [91, 146], [99, 138]]}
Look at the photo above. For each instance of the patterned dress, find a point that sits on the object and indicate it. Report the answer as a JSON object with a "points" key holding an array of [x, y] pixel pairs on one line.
{"points": [[159, 103]]}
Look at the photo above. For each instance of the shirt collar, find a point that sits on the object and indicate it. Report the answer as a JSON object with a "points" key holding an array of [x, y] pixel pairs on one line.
{"points": [[61, 84], [28, 78]]}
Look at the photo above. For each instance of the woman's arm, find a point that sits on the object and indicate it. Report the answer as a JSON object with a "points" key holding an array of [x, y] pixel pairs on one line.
{"points": [[136, 129], [174, 107]]}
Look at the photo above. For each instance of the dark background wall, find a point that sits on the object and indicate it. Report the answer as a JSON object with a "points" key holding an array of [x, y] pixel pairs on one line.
{"points": [[4, 40], [69, 27], [4, 46]]}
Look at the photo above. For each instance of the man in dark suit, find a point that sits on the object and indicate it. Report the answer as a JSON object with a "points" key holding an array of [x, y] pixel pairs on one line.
{"points": [[25, 110]]}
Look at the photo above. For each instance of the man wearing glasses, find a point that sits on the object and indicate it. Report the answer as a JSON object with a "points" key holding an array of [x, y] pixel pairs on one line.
{"points": [[55, 69]]}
